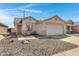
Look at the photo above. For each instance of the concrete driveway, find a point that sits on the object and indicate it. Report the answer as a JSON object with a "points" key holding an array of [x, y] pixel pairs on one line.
{"points": [[1, 37], [74, 38]]}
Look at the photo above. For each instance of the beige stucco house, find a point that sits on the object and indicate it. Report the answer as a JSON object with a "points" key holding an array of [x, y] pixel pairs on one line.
{"points": [[51, 26], [3, 28]]}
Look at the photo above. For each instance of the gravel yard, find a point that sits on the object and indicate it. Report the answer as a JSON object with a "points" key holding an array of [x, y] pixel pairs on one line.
{"points": [[13, 47]]}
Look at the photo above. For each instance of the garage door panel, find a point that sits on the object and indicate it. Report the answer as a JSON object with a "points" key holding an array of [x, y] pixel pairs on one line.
{"points": [[54, 29]]}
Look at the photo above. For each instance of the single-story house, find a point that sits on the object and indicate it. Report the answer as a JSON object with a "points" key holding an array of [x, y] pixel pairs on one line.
{"points": [[51, 26], [69, 26], [3, 28]]}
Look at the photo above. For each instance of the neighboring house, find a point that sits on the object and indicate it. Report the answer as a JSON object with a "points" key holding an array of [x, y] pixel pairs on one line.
{"points": [[75, 27], [3, 28], [69, 24], [52, 26], [12, 30]]}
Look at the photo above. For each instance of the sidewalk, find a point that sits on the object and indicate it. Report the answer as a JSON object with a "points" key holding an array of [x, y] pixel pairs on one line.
{"points": [[27, 38], [72, 52]]}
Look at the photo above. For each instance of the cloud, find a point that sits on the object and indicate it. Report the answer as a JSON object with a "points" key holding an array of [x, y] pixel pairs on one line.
{"points": [[7, 15], [2, 17], [31, 5], [20, 9], [5, 18], [25, 6], [35, 11]]}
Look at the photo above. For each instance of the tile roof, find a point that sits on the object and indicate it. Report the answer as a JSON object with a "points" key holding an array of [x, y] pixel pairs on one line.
{"points": [[3, 24], [52, 18], [19, 20], [31, 18]]}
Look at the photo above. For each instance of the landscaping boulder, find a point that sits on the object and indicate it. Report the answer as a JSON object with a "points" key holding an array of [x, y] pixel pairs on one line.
{"points": [[25, 42], [11, 41]]}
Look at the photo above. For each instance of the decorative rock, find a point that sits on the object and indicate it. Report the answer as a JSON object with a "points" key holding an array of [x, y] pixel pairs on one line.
{"points": [[28, 40], [11, 41], [25, 42]]}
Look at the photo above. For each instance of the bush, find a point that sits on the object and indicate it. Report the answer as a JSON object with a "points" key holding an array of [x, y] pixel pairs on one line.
{"points": [[34, 33], [11, 41]]}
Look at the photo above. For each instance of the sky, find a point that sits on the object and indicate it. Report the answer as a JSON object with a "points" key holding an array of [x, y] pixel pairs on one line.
{"points": [[40, 11]]}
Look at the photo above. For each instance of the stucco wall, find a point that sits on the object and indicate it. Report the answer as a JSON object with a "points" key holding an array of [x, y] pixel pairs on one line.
{"points": [[28, 22], [24, 29], [40, 29], [3, 30], [75, 28]]}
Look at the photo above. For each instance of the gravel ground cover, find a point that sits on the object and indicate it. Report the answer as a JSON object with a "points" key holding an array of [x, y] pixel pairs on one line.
{"points": [[14, 47]]}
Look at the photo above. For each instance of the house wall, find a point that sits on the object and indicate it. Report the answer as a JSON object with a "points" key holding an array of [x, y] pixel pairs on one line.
{"points": [[3, 30], [28, 22], [17, 29], [40, 29], [17, 24], [65, 28], [75, 29], [13, 30], [24, 29]]}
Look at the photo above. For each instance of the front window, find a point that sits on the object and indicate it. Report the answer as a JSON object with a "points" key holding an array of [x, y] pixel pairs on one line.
{"points": [[29, 27]]}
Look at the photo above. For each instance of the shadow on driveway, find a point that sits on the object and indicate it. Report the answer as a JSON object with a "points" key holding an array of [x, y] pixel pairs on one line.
{"points": [[51, 36]]}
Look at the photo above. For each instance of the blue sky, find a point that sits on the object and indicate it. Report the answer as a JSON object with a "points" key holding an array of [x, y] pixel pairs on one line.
{"points": [[67, 11]]}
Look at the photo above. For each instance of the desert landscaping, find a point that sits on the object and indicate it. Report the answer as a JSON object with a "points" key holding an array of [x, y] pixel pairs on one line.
{"points": [[39, 29], [39, 46]]}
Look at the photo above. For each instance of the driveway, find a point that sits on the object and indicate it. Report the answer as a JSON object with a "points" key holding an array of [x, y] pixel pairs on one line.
{"points": [[1, 37], [74, 39]]}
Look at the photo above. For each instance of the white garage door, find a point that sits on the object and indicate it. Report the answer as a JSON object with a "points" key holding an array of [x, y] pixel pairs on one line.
{"points": [[54, 29]]}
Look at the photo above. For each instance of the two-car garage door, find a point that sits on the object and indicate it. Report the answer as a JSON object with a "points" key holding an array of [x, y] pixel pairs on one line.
{"points": [[54, 29]]}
